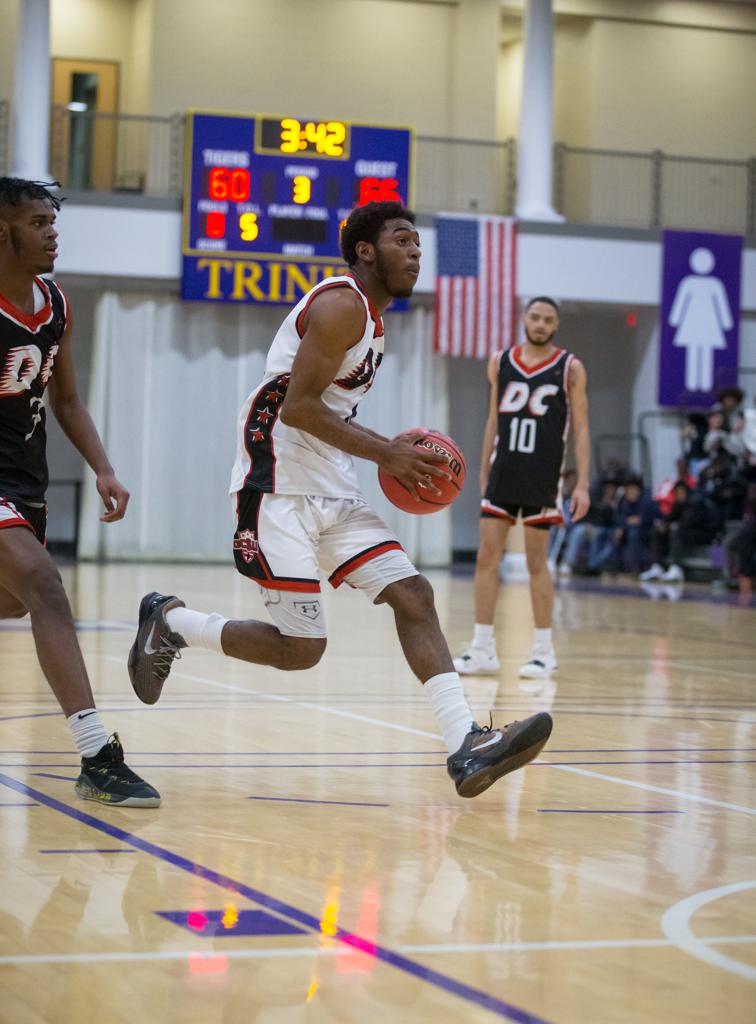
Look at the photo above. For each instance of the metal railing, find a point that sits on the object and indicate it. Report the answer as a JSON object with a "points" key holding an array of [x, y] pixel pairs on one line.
{"points": [[142, 154], [619, 188], [465, 175], [654, 189]]}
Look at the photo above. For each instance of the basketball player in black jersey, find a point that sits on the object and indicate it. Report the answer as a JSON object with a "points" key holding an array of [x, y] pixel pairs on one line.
{"points": [[35, 353], [537, 389]]}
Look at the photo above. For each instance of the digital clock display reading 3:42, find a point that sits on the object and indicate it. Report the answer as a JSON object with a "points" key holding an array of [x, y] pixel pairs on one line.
{"points": [[289, 135]]}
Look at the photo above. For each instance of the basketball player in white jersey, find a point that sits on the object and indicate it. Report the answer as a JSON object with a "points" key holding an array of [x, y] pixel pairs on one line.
{"points": [[536, 389], [300, 511], [35, 358]]}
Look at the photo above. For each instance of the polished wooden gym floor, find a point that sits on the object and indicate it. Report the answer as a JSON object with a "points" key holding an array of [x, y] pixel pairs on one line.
{"points": [[311, 861]]}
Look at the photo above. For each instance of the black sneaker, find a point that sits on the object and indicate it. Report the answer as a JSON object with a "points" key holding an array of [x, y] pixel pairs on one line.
{"points": [[155, 647], [487, 753], [106, 779]]}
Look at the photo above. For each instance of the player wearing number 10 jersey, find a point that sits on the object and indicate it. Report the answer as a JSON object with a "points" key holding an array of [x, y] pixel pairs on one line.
{"points": [[536, 389]]}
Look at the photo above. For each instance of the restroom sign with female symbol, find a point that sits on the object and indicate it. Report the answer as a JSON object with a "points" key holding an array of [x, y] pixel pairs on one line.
{"points": [[700, 309]]}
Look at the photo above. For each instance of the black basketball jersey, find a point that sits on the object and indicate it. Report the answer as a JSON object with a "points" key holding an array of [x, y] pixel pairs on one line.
{"points": [[28, 345], [532, 429]]}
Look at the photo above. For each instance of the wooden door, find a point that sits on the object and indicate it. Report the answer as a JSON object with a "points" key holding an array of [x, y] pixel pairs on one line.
{"points": [[85, 102]]}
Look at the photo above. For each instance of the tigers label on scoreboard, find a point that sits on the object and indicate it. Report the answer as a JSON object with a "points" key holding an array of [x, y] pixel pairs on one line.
{"points": [[264, 197]]}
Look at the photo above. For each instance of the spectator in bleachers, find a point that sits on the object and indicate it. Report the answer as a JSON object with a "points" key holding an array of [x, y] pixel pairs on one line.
{"points": [[597, 528], [721, 482], [731, 401], [665, 496], [631, 539], [692, 522], [693, 434]]}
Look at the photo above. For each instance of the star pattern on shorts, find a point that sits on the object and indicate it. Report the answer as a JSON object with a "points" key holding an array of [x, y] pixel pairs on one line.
{"points": [[264, 416]]}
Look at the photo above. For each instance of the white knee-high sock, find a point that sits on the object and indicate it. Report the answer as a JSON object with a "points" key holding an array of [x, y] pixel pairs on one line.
{"points": [[452, 712], [88, 731], [198, 629]]}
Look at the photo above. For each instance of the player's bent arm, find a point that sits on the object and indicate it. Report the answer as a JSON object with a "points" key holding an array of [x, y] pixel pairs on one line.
{"points": [[489, 434], [78, 427], [335, 322], [578, 393]]}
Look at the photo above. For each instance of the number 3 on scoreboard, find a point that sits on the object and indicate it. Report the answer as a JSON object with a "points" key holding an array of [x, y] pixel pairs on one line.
{"points": [[249, 227]]}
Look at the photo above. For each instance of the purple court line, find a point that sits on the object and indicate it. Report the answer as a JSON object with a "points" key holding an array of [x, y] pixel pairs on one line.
{"points": [[103, 850], [19, 805], [412, 764], [416, 970], [557, 810], [293, 800], [397, 753], [47, 775]]}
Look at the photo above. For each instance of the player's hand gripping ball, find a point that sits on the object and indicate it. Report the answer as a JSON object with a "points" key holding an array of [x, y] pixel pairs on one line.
{"points": [[444, 448]]}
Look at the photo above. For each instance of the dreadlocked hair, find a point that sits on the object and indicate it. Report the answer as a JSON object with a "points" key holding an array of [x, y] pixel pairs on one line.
{"points": [[15, 191]]}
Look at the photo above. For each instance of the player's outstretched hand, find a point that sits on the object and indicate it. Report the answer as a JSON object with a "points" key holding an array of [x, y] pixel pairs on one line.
{"points": [[414, 467], [114, 496], [579, 503]]}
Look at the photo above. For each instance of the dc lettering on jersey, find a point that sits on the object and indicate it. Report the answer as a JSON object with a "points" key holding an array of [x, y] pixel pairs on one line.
{"points": [[518, 394], [23, 364]]}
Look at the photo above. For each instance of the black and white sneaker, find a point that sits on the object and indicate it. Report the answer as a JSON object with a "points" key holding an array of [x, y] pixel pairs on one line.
{"points": [[487, 753], [155, 647], [106, 779]]}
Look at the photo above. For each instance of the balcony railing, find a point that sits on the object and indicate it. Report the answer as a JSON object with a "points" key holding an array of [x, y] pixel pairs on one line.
{"points": [[144, 155]]}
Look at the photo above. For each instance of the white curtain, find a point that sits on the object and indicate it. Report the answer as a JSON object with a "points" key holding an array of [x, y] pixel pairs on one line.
{"points": [[168, 380]]}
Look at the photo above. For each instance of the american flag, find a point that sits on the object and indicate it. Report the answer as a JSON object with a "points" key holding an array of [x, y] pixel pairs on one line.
{"points": [[475, 285]]}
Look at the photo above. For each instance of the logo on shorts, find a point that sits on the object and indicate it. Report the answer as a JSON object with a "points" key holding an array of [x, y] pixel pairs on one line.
{"points": [[245, 542], [310, 609]]}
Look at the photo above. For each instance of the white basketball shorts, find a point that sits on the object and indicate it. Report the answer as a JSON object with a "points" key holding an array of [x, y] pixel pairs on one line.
{"points": [[285, 542]]}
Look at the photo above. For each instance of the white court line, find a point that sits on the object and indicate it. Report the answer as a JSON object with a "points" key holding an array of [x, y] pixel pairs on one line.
{"points": [[298, 703], [294, 951], [429, 735], [657, 789], [675, 924]]}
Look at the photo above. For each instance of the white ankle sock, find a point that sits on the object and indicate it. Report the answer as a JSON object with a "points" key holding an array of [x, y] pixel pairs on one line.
{"points": [[198, 629], [450, 707], [88, 732], [542, 638], [483, 636]]}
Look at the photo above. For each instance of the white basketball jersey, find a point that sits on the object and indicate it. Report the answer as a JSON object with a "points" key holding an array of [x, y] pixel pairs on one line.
{"points": [[273, 457]]}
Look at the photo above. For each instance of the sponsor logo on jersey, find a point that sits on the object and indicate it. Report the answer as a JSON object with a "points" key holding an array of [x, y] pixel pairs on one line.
{"points": [[245, 542]]}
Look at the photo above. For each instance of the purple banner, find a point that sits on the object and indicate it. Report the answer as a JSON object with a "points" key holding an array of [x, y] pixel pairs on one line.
{"points": [[700, 317]]}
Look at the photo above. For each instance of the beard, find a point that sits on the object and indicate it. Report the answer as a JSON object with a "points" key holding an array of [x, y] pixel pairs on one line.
{"points": [[402, 291], [539, 341]]}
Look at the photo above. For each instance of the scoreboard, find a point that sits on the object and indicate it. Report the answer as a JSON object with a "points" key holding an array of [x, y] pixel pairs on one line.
{"points": [[264, 197]]}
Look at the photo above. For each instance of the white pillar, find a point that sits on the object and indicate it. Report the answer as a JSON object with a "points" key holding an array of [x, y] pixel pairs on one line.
{"points": [[30, 155], [535, 146]]}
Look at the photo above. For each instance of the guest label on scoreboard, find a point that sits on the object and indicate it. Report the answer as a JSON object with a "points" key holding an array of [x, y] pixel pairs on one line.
{"points": [[265, 196]]}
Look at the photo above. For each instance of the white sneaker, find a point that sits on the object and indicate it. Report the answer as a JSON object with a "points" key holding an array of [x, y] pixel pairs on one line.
{"points": [[674, 574], [654, 573], [564, 569], [477, 661], [541, 663]]}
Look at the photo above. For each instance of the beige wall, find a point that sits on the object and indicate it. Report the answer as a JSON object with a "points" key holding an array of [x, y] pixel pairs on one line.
{"points": [[623, 84], [8, 20], [376, 60]]}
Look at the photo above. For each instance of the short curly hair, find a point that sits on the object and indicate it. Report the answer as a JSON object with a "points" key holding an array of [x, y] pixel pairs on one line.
{"points": [[365, 223]]}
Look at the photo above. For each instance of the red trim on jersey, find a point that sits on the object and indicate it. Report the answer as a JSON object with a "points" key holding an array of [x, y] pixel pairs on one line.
{"points": [[313, 295], [555, 520], [34, 321], [494, 510], [18, 522], [530, 371], [339, 575], [302, 587], [374, 314]]}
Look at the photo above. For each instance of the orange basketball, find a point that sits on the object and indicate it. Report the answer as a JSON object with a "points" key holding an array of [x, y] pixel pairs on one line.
{"points": [[443, 447]]}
